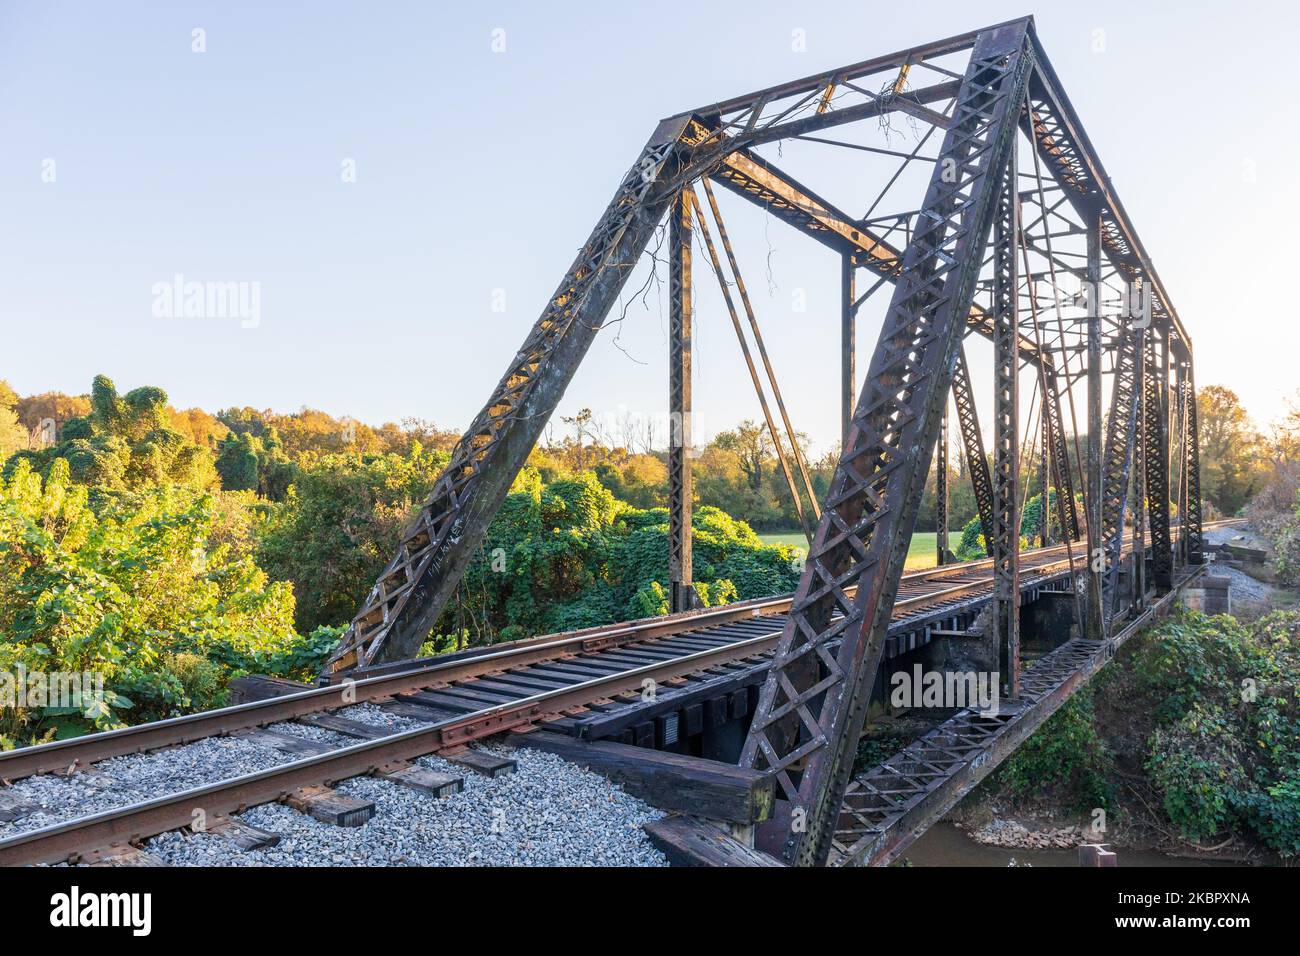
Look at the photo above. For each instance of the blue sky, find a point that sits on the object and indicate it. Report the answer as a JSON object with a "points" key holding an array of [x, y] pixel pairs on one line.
{"points": [[479, 171]]}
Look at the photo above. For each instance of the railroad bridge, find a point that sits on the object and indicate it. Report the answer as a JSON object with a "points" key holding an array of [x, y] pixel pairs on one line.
{"points": [[1019, 238], [997, 228]]}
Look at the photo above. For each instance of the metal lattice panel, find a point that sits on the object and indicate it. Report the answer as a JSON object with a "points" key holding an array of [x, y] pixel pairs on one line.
{"points": [[883, 805], [1117, 460], [1156, 462], [1192, 475], [972, 440]]}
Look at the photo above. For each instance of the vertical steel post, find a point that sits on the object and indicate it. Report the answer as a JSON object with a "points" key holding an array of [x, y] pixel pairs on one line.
{"points": [[1096, 557], [680, 486], [1156, 399], [941, 491], [1006, 428], [1192, 517], [1044, 485], [1138, 481], [848, 343], [1180, 447]]}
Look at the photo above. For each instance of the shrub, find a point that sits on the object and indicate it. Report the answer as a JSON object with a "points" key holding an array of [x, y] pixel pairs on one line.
{"points": [[1226, 702], [1286, 554], [1065, 753]]}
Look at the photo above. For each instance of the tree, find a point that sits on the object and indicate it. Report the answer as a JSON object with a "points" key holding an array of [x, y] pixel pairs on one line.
{"points": [[753, 448], [13, 436], [340, 523], [134, 588], [126, 443], [249, 462], [35, 409], [1231, 449]]}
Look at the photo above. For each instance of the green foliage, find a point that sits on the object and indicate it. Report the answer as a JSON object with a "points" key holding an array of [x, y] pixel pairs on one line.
{"points": [[1067, 755], [1225, 752], [1275, 815], [1031, 519], [13, 436], [130, 588], [568, 554], [971, 547], [126, 443], [340, 524], [251, 462], [1286, 554]]}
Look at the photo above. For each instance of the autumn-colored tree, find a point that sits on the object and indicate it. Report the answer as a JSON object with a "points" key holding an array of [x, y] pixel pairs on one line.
{"points": [[126, 442], [1232, 452], [13, 436], [57, 406]]}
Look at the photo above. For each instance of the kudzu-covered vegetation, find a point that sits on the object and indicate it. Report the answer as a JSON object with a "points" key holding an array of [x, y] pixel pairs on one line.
{"points": [[170, 551]]}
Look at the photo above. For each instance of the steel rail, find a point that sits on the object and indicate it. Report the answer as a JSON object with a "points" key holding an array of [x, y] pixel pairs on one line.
{"points": [[71, 839]]}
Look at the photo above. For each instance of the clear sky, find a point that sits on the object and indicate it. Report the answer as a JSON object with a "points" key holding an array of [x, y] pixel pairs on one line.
{"points": [[478, 171]]}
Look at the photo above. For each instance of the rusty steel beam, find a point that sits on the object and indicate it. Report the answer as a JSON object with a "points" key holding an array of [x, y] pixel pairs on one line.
{"points": [[681, 484], [817, 82], [1195, 547], [435, 550], [941, 491], [1121, 426], [754, 328], [1094, 628], [777, 443], [1006, 428], [1156, 459]]}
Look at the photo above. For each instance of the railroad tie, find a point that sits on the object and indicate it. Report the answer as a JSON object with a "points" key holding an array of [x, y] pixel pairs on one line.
{"points": [[489, 765], [284, 742], [329, 806], [243, 835], [14, 807], [122, 854], [428, 781]]}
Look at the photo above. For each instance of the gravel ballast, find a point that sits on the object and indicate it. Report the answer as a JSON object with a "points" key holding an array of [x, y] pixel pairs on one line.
{"points": [[547, 813]]}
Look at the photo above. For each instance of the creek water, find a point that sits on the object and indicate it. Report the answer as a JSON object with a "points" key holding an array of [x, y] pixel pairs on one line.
{"points": [[944, 845]]}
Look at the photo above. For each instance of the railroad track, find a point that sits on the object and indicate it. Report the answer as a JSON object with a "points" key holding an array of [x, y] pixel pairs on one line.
{"points": [[458, 699]]}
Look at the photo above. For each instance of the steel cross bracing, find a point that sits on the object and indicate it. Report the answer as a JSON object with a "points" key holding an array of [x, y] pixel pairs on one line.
{"points": [[1117, 460], [977, 465], [992, 222]]}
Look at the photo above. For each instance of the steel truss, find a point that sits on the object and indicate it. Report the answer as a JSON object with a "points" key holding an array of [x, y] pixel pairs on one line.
{"points": [[812, 706], [996, 224]]}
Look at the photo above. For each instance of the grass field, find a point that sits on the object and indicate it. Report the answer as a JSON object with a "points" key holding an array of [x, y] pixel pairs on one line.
{"points": [[919, 555]]}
